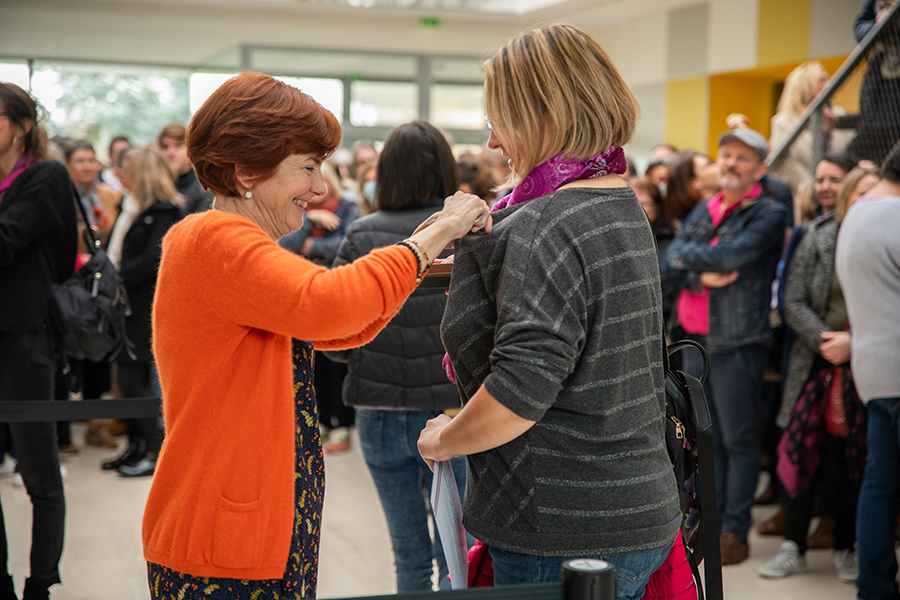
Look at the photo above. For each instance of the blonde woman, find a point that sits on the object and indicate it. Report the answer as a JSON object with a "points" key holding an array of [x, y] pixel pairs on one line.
{"points": [[151, 206], [816, 311], [553, 329], [800, 89]]}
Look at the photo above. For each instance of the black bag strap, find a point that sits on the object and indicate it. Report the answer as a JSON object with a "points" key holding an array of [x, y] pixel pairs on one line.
{"points": [[708, 551], [92, 241]]}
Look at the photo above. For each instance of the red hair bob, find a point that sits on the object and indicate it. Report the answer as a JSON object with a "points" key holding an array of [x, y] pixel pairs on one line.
{"points": [[255, 122]]}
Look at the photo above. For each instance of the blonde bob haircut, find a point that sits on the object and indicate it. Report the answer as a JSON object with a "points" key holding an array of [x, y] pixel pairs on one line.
{"points": [[848, 186], [154, 180], [800, 88], [552, 91]]}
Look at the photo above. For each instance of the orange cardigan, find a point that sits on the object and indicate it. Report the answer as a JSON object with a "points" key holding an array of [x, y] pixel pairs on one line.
{"points": [[228, 300]]}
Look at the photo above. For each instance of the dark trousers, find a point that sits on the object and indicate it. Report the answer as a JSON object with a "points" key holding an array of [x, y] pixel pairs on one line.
{"points": [[734, 393], [66, 384], [133, 378], [798, 510], [329, 384], [27, 367]]}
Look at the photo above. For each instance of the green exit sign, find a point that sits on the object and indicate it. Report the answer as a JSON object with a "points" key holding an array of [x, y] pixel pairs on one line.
{"points": [[430, 22]]}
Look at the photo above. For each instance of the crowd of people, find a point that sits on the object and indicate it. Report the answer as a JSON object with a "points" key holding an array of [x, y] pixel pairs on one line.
{"points": [[280, 287]]}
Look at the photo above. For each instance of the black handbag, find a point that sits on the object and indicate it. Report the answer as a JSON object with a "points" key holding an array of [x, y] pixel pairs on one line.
{"points": [[88, 310], [689, 443]]}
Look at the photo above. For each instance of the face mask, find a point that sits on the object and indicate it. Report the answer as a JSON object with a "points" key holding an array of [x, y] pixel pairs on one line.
{"points": [[663, 188], [369, 190]]}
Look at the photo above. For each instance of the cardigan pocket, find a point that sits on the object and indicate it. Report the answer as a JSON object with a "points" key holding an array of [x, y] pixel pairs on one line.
{"points": [[237, 537]]}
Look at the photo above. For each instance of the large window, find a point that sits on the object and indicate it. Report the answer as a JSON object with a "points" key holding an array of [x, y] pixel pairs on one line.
{"points": [[327, 92], [382, 103], [457, 106], [15, 72], [98, 102], [369, 93]]}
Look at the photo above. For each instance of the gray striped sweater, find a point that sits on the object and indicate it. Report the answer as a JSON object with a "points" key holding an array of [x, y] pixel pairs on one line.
{"points": [[558, 313]]}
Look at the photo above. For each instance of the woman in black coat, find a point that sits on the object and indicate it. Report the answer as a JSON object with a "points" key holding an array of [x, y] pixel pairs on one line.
{"points": [[396, 382], [38, 235], [135, 247]]}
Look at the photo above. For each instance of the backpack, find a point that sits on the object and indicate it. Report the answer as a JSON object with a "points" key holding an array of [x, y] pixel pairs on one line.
{"points": [[88, 310], [690, 446]]}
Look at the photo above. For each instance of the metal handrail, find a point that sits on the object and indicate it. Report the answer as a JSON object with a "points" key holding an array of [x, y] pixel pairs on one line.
{"points": [[813, 114]]}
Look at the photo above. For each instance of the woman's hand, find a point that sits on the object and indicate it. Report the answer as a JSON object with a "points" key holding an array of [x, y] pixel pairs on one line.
{"points": [[462, 214], [718, 280], [836, 347], [323, 218], [430, 441]]}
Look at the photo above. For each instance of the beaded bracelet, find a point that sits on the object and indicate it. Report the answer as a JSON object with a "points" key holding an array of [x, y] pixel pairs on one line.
{"points": [[421, 256]]}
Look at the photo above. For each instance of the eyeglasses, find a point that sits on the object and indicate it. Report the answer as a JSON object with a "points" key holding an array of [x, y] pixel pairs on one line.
{"points": [[83, 161], [487, 121]]}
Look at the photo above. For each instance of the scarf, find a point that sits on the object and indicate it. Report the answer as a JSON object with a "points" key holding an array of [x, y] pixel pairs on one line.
{"points": [[548, 177], [24, 162], [801, 445]]}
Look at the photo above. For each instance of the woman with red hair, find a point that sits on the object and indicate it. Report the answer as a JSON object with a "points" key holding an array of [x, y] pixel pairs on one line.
{"points": [[235, 506]]}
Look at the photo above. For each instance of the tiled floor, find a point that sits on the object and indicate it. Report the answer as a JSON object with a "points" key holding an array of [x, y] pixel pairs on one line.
{"points": [[102, 559]]}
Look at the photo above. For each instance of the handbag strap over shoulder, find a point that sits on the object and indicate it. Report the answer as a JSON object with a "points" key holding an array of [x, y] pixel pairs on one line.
{"points": [[90, 238]]}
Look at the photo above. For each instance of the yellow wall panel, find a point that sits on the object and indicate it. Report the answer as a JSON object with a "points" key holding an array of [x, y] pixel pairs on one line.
{"points": [[754, 93], [687, 113], [783, 30], [752, 96]]}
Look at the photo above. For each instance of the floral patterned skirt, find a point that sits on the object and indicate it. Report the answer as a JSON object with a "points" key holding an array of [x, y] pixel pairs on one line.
{"points": [[301, 571]]}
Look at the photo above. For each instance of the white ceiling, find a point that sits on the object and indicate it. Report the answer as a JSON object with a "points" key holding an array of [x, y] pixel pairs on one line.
{"points": [[592, 12]]}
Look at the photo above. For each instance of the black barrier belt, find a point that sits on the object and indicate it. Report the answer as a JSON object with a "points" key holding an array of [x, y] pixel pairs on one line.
{"points": [[79, 410], [543, 591]]}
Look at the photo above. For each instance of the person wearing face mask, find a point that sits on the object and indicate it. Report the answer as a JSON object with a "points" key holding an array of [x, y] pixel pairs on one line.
{"points": [[235, 505], [365, 177]]}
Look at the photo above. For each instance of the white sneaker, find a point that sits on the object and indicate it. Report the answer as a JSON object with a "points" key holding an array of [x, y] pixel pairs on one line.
{"points": [[787, 562], [845, 564]]}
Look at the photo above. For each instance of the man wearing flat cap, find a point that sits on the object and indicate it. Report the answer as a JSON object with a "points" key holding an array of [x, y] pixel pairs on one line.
{"points": [[724, 261]]}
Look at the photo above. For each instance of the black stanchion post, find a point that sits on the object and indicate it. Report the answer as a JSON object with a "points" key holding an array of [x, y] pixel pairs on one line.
{"points": [[588, 579]]}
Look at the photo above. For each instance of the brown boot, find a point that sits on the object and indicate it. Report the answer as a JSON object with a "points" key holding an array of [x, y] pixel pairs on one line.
{"points": [[734, 550], [96, 435], [774, 526], [823, 536]]}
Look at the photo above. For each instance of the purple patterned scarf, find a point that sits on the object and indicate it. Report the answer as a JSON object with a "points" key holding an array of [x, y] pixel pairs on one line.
{"points": [[548, 177]]}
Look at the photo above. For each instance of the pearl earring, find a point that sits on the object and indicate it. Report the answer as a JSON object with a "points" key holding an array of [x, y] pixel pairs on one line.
{"points": [[248, 194]]}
